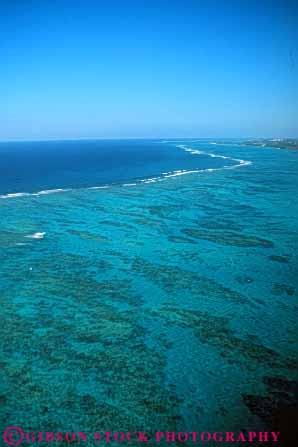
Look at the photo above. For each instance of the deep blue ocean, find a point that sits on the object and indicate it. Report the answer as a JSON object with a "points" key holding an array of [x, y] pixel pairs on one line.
{"points": [[35, 166], [147, 285]]}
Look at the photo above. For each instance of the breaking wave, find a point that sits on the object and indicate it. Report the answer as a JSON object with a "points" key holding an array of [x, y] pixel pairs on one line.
{"points": [[37, 235]]}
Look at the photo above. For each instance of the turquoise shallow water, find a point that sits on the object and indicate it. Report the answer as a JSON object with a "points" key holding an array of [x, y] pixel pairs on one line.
{"points": [[168, 305]]}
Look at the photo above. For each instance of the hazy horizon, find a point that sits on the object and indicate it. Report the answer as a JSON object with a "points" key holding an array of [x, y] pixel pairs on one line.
{"points": [[179, 137]]}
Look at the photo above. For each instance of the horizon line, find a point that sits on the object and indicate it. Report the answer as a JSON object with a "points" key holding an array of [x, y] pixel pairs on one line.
{"points": [[49, 139]]}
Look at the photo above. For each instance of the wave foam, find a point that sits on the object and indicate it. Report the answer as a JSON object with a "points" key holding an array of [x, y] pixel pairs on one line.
{"points": [[38, 193], [99, 187], [211, 154], [49, 191], [14, 195], [37, 235]]}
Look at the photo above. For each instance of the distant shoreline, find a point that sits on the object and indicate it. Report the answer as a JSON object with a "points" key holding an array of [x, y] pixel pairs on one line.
{"points": [[278, 143]]}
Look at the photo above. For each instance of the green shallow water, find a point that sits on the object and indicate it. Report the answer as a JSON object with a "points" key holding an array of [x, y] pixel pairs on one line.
{"points": [[162, 306]]}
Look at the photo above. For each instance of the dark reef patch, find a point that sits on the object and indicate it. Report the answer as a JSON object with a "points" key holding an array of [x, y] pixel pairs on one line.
{"points": [[180, 240], [87, 235], [176, 280], [281, 259], [280, 289], [228, 238], [216, 332]]}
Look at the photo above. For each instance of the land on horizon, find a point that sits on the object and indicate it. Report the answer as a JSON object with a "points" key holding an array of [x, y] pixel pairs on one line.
{"points": [[277, 142]]}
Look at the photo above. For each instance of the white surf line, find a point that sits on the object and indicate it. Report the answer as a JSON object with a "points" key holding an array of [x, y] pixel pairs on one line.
{"points": [[97, 187], [14, 195], [240, 161], [39, 193], [49, 191], [192, 151], [164, 175]]}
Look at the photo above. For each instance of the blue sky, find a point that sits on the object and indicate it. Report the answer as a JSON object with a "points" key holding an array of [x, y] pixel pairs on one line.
{"points": [[148, 68]]}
